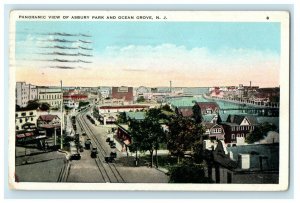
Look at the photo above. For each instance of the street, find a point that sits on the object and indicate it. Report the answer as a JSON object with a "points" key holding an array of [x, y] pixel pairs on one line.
{"points": [[55, 166]]}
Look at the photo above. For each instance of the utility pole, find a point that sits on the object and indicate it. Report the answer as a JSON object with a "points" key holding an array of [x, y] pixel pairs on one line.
{"points": [[55, 136], [62, 117]]}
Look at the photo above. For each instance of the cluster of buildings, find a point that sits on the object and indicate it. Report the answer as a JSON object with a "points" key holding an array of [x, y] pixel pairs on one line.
{"points": [[228, 157], [71, 98], [250, 94], [44, 94], [34, 127], [230, 127]]}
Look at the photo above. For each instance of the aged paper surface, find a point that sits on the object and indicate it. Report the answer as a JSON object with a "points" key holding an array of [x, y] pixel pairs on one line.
{"points": [[149, 100]]}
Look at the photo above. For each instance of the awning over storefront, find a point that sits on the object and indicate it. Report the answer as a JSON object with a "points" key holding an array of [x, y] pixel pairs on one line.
{"points": [[20, 135]]}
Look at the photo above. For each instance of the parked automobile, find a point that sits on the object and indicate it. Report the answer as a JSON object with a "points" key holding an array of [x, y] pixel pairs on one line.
{"points": [[75, 156], [112, 145], [88, 143], [94, 152], [113, 154], [83, 133], [109, 159]]}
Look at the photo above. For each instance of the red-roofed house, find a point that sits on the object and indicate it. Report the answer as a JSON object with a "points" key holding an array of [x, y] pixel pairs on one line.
{"points": [[204, 108], [48, 121]]}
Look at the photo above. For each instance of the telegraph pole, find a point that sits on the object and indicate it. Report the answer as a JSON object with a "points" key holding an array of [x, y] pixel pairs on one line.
{"points": [[62, 117]]}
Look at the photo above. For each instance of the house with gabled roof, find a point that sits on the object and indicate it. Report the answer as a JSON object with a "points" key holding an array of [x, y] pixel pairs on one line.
{"points": [[48, 121], [213, 131], [237, 127], [210, 118], [205, 108], [252, 164]]}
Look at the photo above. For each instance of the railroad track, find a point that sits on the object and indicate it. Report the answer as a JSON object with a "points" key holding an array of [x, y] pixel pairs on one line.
{"points": [[64, 172], [108, 171]]}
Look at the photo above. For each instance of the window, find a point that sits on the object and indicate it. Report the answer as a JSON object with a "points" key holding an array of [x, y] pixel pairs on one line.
{"points": [[233, 136], [17, 127], [16, 115], [31, 119], [31, 113], [23, 114], [238, 135], [242, 135], [21, 120]]}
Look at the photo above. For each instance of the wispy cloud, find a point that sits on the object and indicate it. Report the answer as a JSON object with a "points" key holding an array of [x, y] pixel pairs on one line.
{"points": [[134, 70]]}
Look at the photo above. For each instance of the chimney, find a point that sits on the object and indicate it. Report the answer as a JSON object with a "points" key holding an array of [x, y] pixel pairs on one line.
{"points": [[170, 86], [244, 161]]}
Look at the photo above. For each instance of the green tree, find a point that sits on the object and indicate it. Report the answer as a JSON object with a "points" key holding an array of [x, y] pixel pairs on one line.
{"points": [[136, 133], [18, 108], [122, 118], [166, 107], [188, 173], [83, 103], [44, 106], [146, 136], [260, 132], [184, 135], [158, 136], [197, 113], [140, 99], [32, 105]]}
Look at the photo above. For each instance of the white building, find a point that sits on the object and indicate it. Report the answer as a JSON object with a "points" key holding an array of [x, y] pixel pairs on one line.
{"points": [[51, 95], [71, 103], [25, 118], [104, 93], [24, 93]]}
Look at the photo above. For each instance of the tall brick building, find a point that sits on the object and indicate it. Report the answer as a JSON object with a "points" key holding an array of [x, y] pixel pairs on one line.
{"points": [[123, 92]]}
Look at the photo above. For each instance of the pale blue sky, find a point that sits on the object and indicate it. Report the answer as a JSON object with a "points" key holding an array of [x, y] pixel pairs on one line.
{"points": [[124, 51], [257, 35]]}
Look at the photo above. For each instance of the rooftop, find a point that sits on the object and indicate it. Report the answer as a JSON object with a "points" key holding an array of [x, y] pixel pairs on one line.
{"points": [[124, 107], [48, 117], [136, 115]]}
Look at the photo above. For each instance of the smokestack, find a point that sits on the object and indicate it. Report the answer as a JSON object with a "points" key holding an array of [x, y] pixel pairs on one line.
{"points": [[170, 86], [250, 84]]}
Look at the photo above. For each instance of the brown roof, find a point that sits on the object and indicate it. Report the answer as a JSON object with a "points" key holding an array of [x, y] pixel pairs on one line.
{"points": [[209, 125], [237, 119], [208, 105], [48, 117], [122, 93], [185, 111]]}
